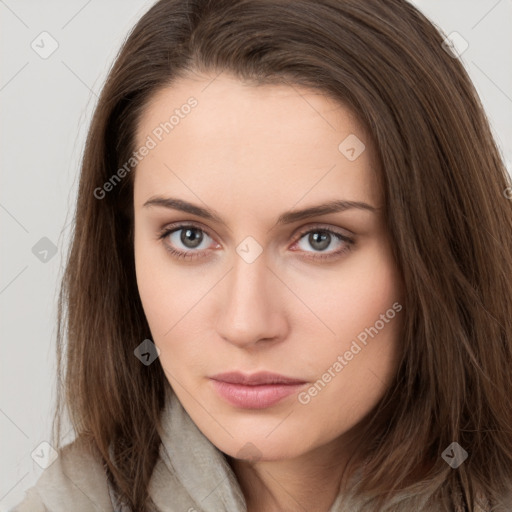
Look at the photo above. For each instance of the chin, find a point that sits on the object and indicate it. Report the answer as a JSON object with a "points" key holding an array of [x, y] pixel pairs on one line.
{"points": [[257, 452], [262, 442]]}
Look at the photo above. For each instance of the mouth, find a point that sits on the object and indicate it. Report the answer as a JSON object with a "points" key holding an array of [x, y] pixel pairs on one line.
{"points": [[256, 391]]}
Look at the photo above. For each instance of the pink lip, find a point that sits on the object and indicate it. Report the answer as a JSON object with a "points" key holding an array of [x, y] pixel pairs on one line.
{"points": [[256, 391]]}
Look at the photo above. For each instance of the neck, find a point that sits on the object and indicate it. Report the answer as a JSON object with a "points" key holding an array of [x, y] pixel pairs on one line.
{"points": [[309, 482]]}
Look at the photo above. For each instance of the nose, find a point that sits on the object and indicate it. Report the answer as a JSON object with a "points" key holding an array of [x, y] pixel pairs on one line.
{"points": [[251, 305]]}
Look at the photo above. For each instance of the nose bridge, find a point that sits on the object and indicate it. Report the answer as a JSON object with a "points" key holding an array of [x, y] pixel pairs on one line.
{"points": [[249, 279], [249, 308]]}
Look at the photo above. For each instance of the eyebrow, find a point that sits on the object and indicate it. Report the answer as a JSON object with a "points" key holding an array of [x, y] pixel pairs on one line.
{"points": [[289, 217]]}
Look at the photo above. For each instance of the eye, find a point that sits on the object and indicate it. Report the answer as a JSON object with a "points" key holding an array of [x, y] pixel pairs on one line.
{"points": [[188, 236], [320, 238]]}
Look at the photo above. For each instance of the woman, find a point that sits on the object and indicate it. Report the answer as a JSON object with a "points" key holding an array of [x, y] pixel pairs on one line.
{"points": [[330, 330]]}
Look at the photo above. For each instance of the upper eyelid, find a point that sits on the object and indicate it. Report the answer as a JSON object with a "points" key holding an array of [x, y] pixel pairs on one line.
{"points": [[327, 227], [181, 225]]}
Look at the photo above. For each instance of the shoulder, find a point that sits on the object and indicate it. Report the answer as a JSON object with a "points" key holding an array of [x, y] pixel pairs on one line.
{"points": [[75, 481]]}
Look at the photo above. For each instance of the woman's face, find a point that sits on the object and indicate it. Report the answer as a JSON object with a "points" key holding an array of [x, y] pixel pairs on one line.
{"points": [[313, 297]]}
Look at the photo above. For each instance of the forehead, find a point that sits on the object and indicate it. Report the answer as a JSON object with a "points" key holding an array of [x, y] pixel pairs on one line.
{"points": [[272, 142]]}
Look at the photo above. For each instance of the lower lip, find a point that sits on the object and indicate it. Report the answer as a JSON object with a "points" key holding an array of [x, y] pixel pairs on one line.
{"points": [[254, 397]]}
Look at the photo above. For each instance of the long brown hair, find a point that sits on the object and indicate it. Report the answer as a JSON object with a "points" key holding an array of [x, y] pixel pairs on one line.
{"points": [[448, 217]]}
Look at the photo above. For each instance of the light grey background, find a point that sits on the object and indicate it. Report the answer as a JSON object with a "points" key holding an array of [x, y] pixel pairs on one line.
{"points": [[46, 106]]}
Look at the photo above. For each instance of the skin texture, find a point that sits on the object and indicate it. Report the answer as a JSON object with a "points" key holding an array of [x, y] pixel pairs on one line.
{"points": [[250, 153]]}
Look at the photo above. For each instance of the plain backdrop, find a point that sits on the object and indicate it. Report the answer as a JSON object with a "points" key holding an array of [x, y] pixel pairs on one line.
{"points": [[46, 106]]}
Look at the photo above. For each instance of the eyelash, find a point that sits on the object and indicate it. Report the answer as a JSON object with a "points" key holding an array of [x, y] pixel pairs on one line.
{"points": [[192, 255]]}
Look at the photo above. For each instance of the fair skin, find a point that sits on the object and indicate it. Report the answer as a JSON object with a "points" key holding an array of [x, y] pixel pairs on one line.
{"points": [[250, 153]]}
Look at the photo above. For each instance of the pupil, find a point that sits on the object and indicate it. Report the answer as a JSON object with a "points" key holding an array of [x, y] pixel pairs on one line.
{"points": [[190, 239]]}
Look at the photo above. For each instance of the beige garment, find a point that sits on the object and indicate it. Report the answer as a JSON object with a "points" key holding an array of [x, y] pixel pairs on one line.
{"points": [[191, 475], [198, 478]]}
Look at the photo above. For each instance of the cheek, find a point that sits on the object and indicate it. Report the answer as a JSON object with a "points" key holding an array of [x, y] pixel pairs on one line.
{"points": [[167, 291], [151, 284], [354, 296], [174, 298], [363, 307]]}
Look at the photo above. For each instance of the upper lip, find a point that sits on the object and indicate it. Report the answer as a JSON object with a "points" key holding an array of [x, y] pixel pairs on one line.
{"points": [[255, 378]]}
